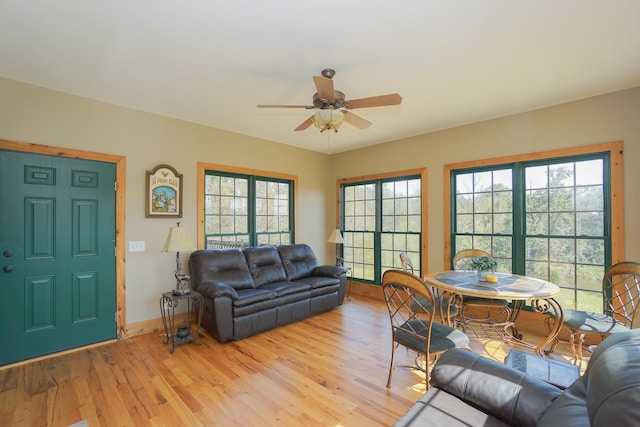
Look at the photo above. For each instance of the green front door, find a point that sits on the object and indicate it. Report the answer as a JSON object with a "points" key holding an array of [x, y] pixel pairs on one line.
{"points": [[57, 252]]}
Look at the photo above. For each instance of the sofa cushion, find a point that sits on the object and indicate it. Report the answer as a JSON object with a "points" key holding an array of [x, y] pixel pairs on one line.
{"points": [[251, 301], [287, 288], [253, 309], [227, 266], [265, 265], [252, 296], [298, 260], [315, 282], [324, 290]]}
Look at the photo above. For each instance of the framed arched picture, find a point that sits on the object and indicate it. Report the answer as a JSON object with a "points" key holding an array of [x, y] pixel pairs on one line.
{"points": [[164, 193]]}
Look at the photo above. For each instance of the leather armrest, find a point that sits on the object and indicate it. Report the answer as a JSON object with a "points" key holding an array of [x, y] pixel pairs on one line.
{"points": [[329, 271], [506, 393], [217, 289]]}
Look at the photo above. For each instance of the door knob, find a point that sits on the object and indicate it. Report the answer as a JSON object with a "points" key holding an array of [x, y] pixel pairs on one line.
{"points": [[7, 268], [7, 253]]}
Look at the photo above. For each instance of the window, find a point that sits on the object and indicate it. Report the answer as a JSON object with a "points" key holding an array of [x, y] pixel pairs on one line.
{"points": [[382, 217], [484, 213], [242, 208], [545, 217]]}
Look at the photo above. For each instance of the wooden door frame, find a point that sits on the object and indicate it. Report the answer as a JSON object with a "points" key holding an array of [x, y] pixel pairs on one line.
{"points": [[120, 162]]}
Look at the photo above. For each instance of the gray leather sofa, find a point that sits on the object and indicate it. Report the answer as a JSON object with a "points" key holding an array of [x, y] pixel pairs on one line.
{"points": [[255, 289], [470, 390]]}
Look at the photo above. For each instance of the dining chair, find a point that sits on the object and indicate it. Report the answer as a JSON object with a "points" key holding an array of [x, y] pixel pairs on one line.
{"points": [[621, 297], [406, 263], [460, 262], [412, 322], [452, 306]]}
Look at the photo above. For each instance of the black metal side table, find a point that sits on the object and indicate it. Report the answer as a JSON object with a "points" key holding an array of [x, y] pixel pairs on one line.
{"points": [[168, 304], [349, 273]]}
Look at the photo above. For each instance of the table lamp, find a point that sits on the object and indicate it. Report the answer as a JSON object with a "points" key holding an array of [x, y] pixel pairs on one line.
{"points": [[178, 240], [336, 237]]}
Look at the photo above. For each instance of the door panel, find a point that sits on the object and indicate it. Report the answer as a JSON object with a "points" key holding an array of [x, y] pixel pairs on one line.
{"points": [[84, 227], [57, 239], [85, 297], [39, 228], [39, 303]]}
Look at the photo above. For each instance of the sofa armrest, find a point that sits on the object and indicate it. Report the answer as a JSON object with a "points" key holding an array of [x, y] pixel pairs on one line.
{"points": [[329, 271], [217, 289], [506, 393]]}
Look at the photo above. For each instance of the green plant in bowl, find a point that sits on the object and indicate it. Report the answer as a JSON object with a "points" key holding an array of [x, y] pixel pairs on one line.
{"points": [[483, 265]]}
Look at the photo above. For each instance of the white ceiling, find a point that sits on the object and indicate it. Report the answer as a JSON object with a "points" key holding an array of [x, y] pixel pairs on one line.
{"points": [[211, 62]]}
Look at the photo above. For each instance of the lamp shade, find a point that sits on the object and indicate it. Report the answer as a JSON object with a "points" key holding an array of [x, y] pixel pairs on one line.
{"points": [[328, 119], [178, 240], [336, 237]]}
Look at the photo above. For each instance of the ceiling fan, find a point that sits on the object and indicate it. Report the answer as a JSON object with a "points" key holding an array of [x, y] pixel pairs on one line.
{"points": [[333, 108]]}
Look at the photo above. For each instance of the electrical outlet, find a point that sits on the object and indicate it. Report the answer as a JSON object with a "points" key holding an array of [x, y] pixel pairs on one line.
{"points": [[136, 246]]}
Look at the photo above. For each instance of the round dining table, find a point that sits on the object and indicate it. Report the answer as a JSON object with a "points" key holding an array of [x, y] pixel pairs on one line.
{"points": [[454, 284]]}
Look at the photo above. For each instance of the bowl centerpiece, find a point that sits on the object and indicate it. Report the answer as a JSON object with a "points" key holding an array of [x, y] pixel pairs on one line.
{"points": [[483, 265]]}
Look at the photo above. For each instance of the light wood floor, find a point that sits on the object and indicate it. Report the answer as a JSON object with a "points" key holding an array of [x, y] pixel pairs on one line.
{"points": [[329, 370]]}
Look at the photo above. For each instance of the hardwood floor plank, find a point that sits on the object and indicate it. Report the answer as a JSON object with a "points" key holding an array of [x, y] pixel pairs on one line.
{"points": [[329, 370], [104, 387], [38, 409], [8, 406], [174, 411], [272, 410], [215, 409]]}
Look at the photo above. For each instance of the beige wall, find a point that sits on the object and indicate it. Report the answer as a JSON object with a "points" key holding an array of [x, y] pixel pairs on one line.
{"points": [[606, 118], [40, 116]]}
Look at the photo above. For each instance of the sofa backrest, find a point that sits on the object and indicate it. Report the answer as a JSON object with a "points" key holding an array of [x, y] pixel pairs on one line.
{"points": [[265, 265], [298, 260], [609, 391], [613, 380], [220, 265]]}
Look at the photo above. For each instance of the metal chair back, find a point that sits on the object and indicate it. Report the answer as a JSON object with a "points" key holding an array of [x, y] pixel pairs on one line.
{"points": [[461, 258], [406, 263], [621, 290], [408, 303]]}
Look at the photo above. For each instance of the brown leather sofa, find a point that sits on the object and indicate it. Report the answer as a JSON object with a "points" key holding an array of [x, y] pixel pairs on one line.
{"points": [[470, 390], [255, 289]]}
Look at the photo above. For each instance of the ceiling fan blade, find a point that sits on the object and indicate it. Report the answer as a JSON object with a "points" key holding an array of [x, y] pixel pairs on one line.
{"points": [[305, 124], [376, 101], [324, 86], [355, 120], [285, 106]]}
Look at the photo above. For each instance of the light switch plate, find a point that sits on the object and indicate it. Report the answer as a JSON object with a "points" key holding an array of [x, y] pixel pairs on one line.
{"points": [[136, 246]]}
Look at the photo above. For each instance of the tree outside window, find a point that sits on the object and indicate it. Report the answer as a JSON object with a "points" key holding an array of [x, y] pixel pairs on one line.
{"points": [[544, 218]]}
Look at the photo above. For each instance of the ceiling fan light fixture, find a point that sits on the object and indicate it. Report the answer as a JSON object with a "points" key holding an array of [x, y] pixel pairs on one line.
{"points": [[328, 119]]}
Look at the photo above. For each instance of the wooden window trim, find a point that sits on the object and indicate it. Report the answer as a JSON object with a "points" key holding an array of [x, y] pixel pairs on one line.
{"points": [[423, 199], [203, 167]]}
